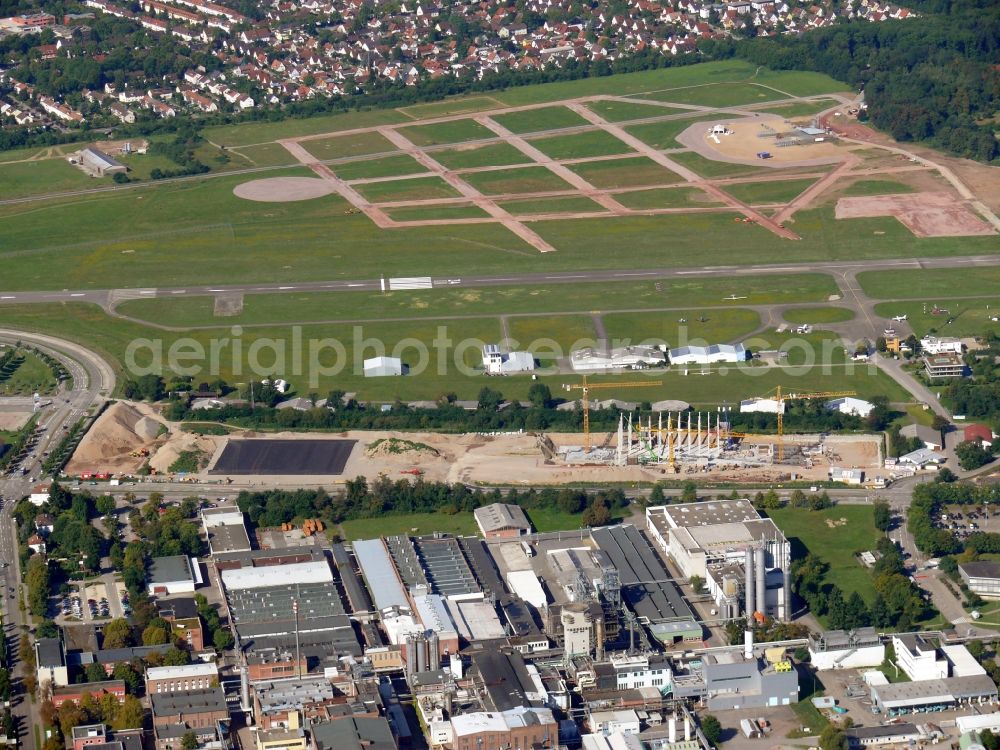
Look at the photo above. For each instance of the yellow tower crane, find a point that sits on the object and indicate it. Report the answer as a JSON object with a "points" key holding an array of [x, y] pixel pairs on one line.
{"points": [[585, 389], [782, 398]]}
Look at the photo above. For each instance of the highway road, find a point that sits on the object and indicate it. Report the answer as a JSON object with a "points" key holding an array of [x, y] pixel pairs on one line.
{"points": [[107, 297], [92, 380]]}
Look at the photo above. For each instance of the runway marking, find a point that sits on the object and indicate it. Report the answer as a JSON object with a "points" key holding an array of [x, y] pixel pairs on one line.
{"points": [[8, 297], [80, 294]]}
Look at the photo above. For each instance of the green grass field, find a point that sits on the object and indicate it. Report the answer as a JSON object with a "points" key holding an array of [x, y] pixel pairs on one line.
{"points": [[809, 531], [451, 106], [421, 213], [710, 168], [460, 524], [520, 180], [355, 144], [263, 155], [551, 337], [677, 197], [386, 166], [580, 145], [817, 315], [718, 326], [552, 519], [569, 204], [768, 192], [21, 179], [917, 284], [965, 317], [537, 120], [615, 111], [185, 312], [490, 155], [876, 187], [719, 94], [419, 188], [663, 135], [630, 172], [455, 131], [33, 376], [798, 109]]}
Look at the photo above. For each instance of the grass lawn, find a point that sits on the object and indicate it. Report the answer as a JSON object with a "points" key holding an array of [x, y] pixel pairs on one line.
{"points": [[815, 315], [33, 376], [248, 133], [569, 204], [21, 179], [662, 135], [711, 168], [460, 524], [263, 155], [454, 131], [677, 197], [940, 283], [718, 95], [445, 211], [966, 317], [632, 172], [876, 187], [767, 192], [469, 157], [809, 716], [386, 166], [521, 180], [356, 144], [581, 145], [451, 106], [616, 111], [190, 311], [798, 109], [537, 120], [420, 188], [836, 544], [719, 326], [552, 519], [550, 338]]}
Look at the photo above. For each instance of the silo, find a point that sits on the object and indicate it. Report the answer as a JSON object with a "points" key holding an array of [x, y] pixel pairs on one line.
{"points": [[760, 570], [748, 583], [421, 648], [434, 652]]}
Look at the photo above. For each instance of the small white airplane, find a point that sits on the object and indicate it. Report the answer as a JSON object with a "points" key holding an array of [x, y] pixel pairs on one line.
{"points": [[732, 297], [899, 318]]}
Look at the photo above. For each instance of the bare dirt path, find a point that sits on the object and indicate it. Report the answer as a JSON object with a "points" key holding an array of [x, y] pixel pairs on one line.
{"points": [[813, 191]]}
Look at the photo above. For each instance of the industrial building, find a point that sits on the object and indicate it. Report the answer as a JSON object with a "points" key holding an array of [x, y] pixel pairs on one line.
{"points": [[839, 649], [855, 407], [590, 359], [177, 574], [501, 521], [762, 406], [381, 367], [497, 362], [908, 697], [646, 586], [98, 163], [982, 578], [708, 355], [737, 680], [225, 529], [744, 558]]}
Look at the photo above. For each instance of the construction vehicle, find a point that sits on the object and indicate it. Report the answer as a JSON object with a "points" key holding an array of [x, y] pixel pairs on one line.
{"points": [[777, 395], [140, 453], [414, 472], [585, 389]]}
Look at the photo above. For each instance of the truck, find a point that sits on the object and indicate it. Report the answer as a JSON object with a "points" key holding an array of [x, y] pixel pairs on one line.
{"points": [[749, 729], [763, 154]]}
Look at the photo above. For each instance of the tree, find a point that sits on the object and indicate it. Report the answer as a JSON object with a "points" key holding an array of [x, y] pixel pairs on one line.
{"points": [[189, 741], [37, 578], [712, 729], [154, 635], [597, 514], [127, 674], [176, 657], [4, 684], [222, 639], [540, 396], [689, 494], [130, 714], [946, 475], [95, 673], [770, 500], [489, 400], [105, 505], [70, 716], [117, 634], [833, 738], [48, 629], [656, 496], [883, 515], [697, 583], [972, 454]]}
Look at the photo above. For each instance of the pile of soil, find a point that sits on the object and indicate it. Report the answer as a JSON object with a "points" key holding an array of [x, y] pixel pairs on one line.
{"points": [[389, 447], [121, 430]]}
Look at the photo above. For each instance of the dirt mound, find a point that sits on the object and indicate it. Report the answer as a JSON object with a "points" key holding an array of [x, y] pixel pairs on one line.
{"points": [[164, 458], [123, 429], [389, 447]]}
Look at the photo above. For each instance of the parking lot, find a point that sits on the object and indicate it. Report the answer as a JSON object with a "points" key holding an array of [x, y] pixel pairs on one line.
{"points": [[97, 600]]}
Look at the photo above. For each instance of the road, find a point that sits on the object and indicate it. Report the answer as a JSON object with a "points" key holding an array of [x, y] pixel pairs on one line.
{"points": [[108, 297], [92, 380]]}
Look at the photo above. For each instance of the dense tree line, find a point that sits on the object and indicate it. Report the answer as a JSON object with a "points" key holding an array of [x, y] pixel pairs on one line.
{"points": [[383, 496], [929, 498], [925, 79], [978, 397]]}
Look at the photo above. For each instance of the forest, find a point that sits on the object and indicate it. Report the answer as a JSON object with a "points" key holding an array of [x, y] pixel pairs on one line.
{"points": [[932, 78]]}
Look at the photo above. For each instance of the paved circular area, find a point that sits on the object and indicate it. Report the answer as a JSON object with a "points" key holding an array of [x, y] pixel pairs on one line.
{"points": [[741, 144], [283, 189]]}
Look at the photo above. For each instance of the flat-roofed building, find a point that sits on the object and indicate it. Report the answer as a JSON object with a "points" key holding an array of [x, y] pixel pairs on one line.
{"points": [[638, 357], [944, 366], [850, 649], [906, 697], [225, 529], [176, 574], [518, 727], [982, 578], [197, 676], [190, 708]]}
